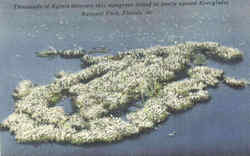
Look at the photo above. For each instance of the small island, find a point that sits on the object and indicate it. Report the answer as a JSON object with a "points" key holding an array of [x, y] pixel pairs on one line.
{"points": [[157, 82]]}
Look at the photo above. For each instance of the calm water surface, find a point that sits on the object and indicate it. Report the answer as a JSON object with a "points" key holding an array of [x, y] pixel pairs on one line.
{"points": [[220, 127]]}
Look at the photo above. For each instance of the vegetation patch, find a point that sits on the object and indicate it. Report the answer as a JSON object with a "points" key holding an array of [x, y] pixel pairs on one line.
{"points": [[163, 79]]}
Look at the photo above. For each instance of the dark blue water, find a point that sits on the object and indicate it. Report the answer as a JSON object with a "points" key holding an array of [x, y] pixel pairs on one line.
{"points": [[220, 127]]}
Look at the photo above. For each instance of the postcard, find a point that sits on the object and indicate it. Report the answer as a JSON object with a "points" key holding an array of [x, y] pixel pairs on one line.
{"points": [[124, 77]]}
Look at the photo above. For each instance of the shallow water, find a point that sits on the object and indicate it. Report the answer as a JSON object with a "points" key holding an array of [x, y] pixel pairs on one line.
{"points": [[219, 127]]}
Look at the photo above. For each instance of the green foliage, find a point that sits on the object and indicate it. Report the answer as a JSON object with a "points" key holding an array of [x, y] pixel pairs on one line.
{"points": [[199, 59], [48, 53], [183, 92], [151, 90], [55, 99]]}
